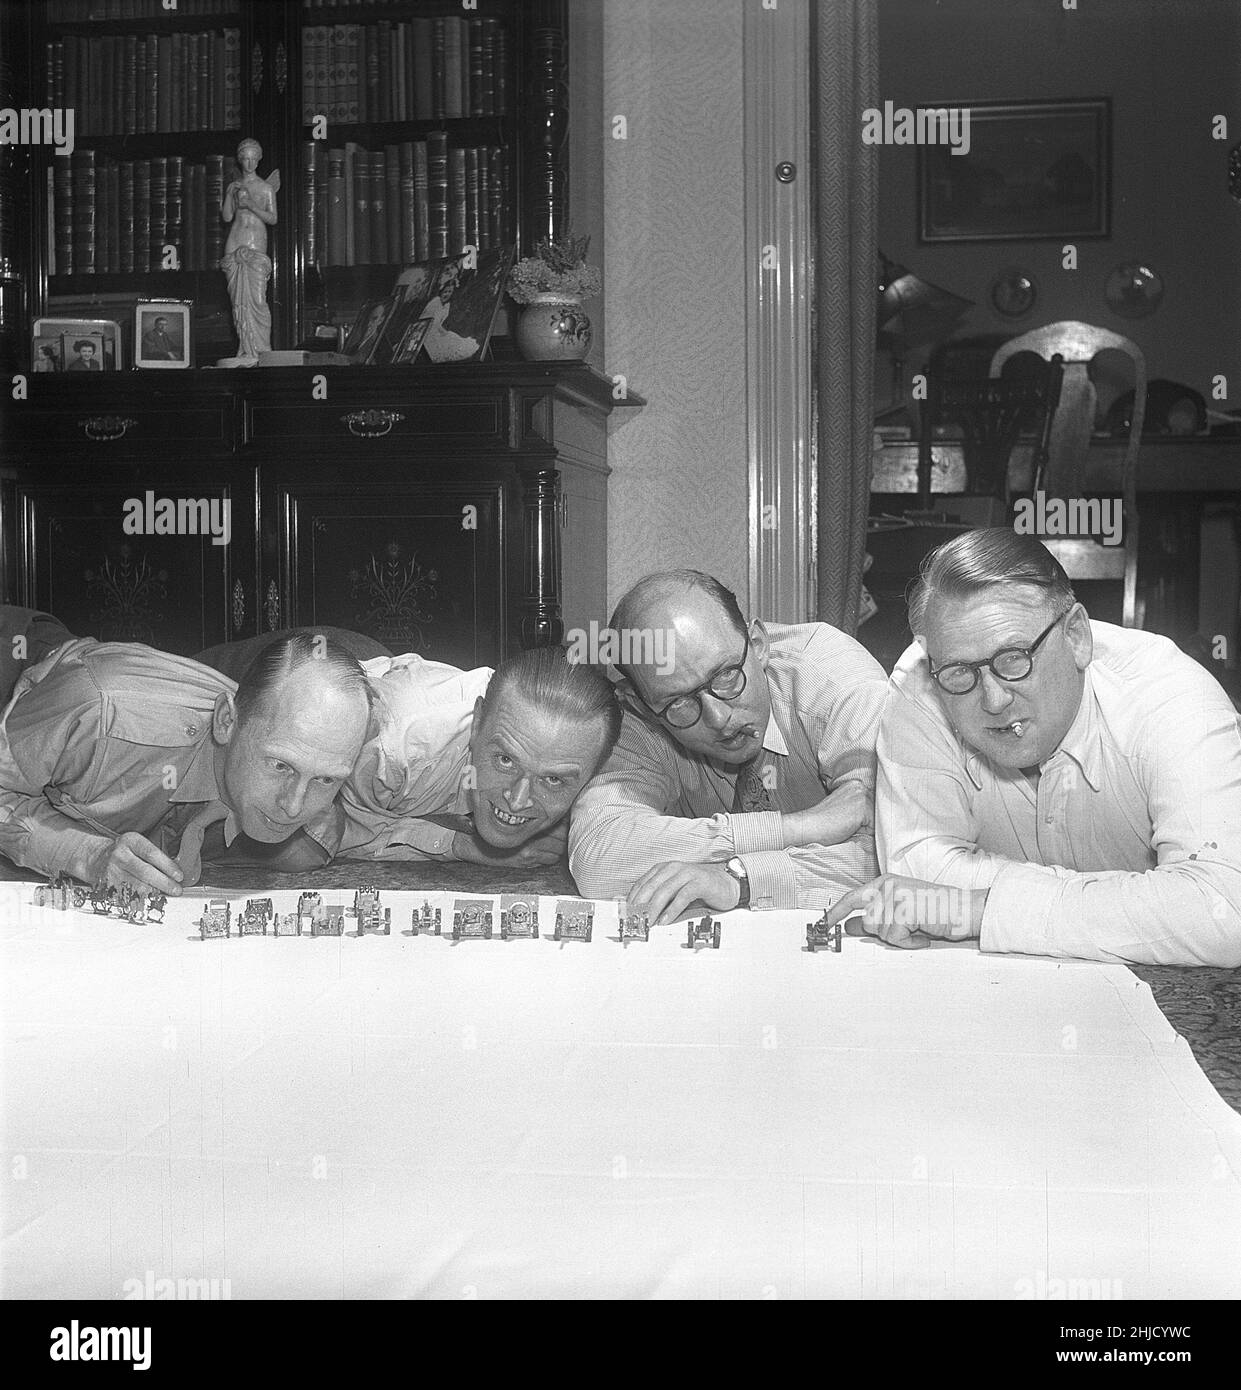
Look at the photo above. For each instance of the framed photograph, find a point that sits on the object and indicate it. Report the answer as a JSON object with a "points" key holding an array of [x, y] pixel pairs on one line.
{"points": [[367, 328], [47, 331], [82, 353], [162, 333], [1034, 170], [460, 301], [410, 346], [47, 353]]}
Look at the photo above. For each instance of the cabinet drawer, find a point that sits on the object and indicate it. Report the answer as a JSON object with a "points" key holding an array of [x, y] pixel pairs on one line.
{"points": [[103, 431], [476, 421]]}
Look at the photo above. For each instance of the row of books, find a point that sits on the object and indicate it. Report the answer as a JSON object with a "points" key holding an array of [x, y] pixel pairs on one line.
{"points": [[405, 203], [112, 215], [78, 11], [127, 84], [438, 68]]}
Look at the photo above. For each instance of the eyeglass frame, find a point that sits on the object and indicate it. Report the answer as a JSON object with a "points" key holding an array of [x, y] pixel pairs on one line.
{"points": [[698, 691], [975, 667]]}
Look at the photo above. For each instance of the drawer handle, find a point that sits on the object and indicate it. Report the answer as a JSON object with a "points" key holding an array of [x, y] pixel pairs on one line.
{"points": [[371, 424], [105, 426]]}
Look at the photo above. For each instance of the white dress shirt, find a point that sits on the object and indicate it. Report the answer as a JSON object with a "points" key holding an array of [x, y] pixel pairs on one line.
{"points": [[1128, 848]]}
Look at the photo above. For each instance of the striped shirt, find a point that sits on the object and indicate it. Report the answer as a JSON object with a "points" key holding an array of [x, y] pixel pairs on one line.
{"points": [[656, 802], [1128, 848]]}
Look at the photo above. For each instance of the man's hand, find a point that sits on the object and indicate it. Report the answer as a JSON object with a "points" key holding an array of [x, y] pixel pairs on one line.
{"points": [[909, 912], [666, 890], [548, 848], [832, 821], [131, 860]]}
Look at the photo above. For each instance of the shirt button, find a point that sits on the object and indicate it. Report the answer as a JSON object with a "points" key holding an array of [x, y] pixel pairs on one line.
{"points": [[191, 729]]}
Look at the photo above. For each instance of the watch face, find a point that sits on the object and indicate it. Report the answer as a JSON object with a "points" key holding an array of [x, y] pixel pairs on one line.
{"points": [[1013, 292], [1134, 290]]}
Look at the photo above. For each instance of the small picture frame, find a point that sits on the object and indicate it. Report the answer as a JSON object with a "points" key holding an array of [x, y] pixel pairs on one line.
{"points": [[162, 337], [367, 330], [49, 331], [410, 346], [47, 353], [82, 352]]}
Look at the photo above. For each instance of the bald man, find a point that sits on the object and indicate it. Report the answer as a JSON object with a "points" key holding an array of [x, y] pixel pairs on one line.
{"points": [[123, 765], [744, 773]]}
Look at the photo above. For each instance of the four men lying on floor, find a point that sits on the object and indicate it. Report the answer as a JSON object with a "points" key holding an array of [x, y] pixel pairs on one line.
{"points": [[1028, 777]]}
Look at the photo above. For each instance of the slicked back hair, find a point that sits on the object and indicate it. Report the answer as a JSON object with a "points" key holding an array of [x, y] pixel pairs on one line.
{"points": [[548, 680], [978, 560], [288, 655]]}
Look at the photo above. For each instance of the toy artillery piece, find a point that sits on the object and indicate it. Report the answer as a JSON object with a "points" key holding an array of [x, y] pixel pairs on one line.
{"points": [[216, 919], [286, 924], [372, 919], [706, 931], [471, 918], [253, 921], [59, 893], [635, 926], [519, 917], [309, 911], [575, 920], [425, 919], [331, 922], [820, 934]]}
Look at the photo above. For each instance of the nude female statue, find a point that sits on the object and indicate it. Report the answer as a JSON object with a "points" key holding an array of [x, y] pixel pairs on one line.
{"points": [[250, 205]]}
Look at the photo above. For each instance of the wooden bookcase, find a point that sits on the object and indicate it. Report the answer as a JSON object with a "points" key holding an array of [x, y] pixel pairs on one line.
{"points": [[347, 487]]}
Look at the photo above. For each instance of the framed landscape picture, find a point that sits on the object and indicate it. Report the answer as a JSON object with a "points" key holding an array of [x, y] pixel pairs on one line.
{"points": [[1033, 170]]}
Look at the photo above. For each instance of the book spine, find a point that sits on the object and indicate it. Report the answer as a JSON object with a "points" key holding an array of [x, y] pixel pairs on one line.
{"points": [[353, 43], [392, 202], [487, 96], [163, 88], [383, 67], [213, 196], [174, 206], [150, 92], [484, 199], [408, 237], [379, 209], [364, 115], [477, 105], [159, 211], [340, 73], [424, 87], [321, 242], [456, 202], [62, 189], [83, 162], [337, 232], [324, 95], [114, 216], [351, 205], [204, 82], [374, 100], [310, 208], [192, 44], [127, 218], [102, 265], [422, 202], [498, 190], [361, 205], [142, 216], [232, 79], [473, 225], [501, 71], [309, 80], [438, 41]]}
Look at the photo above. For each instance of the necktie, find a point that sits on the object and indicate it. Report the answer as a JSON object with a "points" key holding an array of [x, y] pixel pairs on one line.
{"points": [[209, 817], [751, 794]]}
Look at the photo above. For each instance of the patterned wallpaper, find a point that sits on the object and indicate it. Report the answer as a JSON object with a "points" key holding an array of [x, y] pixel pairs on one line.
{"points": [[674, 288]]}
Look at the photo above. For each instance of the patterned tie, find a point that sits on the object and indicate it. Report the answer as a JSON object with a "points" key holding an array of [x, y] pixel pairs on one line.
{"points": [[202, 837], [751, 794]]}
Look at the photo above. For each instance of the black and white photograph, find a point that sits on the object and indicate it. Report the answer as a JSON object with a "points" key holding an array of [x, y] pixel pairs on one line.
{"points": [[639, 699]]}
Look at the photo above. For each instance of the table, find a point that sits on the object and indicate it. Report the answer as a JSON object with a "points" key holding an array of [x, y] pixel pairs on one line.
{"points": [[407, 1116]]}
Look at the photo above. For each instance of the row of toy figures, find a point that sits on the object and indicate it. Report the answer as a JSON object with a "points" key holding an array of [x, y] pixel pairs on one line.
{"points": [[133, 904]]}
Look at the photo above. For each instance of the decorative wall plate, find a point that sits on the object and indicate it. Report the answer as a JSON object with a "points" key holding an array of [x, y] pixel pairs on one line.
{"points": [[1013, 292], [1134, 290]]}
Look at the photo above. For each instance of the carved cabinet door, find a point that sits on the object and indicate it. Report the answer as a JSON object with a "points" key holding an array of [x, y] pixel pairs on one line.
{"points": [[138, 557]]}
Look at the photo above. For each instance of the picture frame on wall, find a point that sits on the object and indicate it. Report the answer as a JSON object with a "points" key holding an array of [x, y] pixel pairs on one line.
{"points": [[1033, 170], [162, 337], [61, 333]]}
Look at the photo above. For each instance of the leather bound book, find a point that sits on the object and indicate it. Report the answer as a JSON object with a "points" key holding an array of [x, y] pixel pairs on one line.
{"points": [[392, 202], [337, 246], [142, 216], [126, 218], [437, 193], [422, 203], [422, 40], [310, 210], [409, 241], [213, 196], [62, 214], [456, 202]]}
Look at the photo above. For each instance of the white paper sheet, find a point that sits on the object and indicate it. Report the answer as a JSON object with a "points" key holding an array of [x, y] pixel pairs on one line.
{"points": [[408, 1116]]}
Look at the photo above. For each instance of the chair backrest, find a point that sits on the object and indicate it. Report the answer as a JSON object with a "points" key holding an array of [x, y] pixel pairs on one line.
{"points": [[1065, 468], [990, 412], [1079, 344]]}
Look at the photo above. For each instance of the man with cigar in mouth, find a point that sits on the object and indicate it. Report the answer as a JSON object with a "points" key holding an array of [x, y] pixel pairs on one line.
{"points": [[744, 772], [1050, 784]]}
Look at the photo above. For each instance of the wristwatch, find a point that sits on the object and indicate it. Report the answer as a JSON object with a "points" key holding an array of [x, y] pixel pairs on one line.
{"points": [[736, 869]]}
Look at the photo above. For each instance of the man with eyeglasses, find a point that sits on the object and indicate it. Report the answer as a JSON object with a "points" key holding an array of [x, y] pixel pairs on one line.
{"points": [[744, 772], [1049, 784]]}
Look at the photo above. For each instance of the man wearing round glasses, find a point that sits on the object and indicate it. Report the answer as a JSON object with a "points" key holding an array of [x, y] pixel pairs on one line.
{"points": [[1049, 784], [744, 772]]}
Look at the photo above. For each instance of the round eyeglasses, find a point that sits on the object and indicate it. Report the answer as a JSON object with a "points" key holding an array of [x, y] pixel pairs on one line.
{"points": [[684, 711], [1008, 664]]}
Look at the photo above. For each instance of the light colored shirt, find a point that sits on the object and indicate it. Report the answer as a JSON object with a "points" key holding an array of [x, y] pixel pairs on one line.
{"points": [[414, 767], [656, 802], [1129, 846], [119, 732]]}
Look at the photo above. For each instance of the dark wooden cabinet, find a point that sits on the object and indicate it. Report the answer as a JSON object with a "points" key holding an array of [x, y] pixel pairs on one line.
{"points": [[457, 511]]}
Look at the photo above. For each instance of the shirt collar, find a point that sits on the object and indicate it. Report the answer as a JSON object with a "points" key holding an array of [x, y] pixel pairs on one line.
{"points": [[199, 784], [1084, 742]]}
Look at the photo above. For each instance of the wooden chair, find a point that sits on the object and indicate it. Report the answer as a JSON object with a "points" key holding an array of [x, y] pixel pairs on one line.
{"points": [[1063, 470], [990, 412]]}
